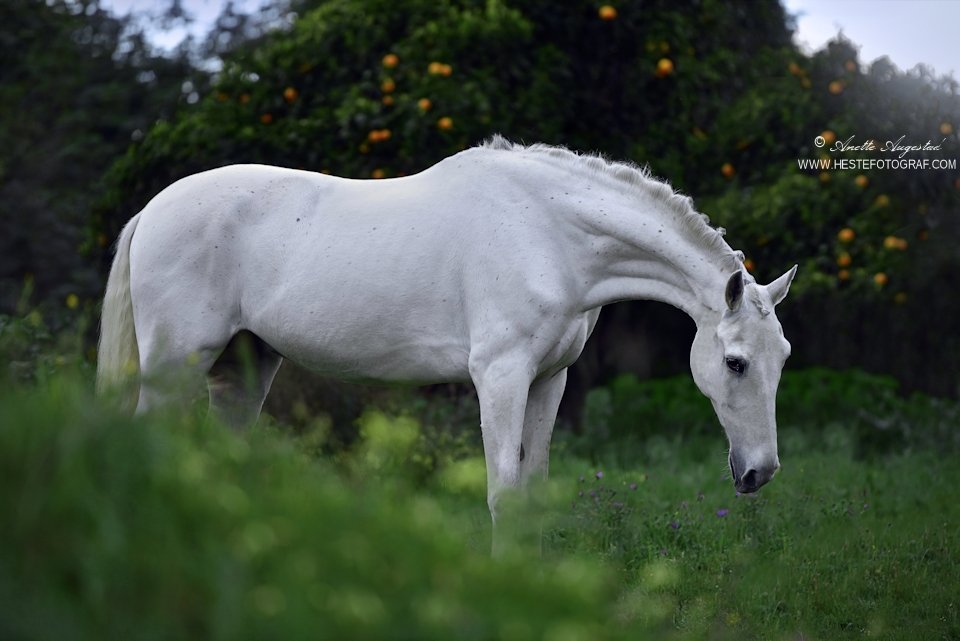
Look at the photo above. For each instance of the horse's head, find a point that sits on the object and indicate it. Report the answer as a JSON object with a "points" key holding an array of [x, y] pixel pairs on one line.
{"points": [[736, 361]]}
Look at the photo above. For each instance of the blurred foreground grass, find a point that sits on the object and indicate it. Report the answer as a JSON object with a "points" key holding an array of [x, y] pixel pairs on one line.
{"points": [[167, 527]]}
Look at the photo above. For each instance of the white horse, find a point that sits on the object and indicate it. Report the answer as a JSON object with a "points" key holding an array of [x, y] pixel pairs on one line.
{"points": [[489, 267]]}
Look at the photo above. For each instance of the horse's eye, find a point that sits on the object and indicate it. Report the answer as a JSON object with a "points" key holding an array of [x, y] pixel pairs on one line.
{"points": [[737, 366]]}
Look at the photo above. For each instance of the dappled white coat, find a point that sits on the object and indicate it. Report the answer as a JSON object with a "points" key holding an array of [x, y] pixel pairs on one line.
{"points": [[490, 267]]}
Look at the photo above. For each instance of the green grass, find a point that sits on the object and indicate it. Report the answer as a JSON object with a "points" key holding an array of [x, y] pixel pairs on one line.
{"points": [[171, 528], [832, 549]]}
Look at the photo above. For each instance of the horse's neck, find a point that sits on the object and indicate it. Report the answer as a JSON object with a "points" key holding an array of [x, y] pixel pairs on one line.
{"points": [[640, 250]]}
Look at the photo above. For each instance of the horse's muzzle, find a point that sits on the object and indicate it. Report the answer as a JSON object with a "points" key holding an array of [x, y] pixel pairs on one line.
{"points": [[753, 478]]}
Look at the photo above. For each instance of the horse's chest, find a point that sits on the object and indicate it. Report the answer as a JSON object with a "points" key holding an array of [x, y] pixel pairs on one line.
{"points": [[570, 345]]}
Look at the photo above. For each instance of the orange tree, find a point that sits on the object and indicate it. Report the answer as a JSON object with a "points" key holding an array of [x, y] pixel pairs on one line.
{"points": [[713, 96], [363, 89]]}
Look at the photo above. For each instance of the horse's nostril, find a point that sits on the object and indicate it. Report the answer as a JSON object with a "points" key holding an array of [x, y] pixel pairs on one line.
{"points": [[753, 479]]}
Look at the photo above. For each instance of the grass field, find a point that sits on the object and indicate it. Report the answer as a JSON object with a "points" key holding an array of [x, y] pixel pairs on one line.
{"points": [[171, 528]]}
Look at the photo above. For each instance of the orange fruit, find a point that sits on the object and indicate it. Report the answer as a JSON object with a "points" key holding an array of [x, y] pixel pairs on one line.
{"points": [[846, 235], [850, 66], [946, 128], [795, 69], [882, 200], [445, 123], [387, 101], [439, 69], [388, 85], [824, 176], [861, 181], [844, 260], [378, 174], [244, 98], [727, 170], [843, 274], [835, 87], [266, 118], [607, 12], [290, 94], [390, 60], [424, 104], [748, 265], [880, 279], [664, 67], [828, 137], [891, 242]]}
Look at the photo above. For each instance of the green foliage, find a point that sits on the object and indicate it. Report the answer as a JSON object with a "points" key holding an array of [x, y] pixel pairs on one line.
{"points": [[778, 213], [35, 349], [813, 406], [170, 527]]}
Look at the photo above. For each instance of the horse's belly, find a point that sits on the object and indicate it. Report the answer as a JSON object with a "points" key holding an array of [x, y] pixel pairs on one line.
{"points": [[372, 357], [380, 331]]}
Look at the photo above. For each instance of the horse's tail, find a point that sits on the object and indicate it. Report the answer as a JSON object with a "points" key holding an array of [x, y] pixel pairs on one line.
{"points": [[118, 359]]}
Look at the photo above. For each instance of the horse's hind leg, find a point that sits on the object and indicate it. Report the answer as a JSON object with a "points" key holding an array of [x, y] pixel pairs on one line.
{"points": [[240, 379]]}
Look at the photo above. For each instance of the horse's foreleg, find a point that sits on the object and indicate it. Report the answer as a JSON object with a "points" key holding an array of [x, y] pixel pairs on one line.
{"points": [[502, 388], [543, 402], [541, 413]]}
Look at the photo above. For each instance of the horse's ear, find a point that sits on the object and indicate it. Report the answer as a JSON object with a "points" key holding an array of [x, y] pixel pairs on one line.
{"points": [[734, 293], [778, 289]]}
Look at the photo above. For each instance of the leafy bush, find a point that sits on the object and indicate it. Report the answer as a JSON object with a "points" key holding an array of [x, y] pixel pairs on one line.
{"points": [[810, 403], [163, 528], [35, 347]]}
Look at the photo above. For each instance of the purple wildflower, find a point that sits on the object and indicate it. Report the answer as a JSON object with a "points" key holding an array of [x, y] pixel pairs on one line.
{"points": [[633, 486], [599, 475], [674, 525], [722, 512]]}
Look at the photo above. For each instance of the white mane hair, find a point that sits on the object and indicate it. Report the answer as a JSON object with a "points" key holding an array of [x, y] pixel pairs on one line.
{"points": [[639, 178]]}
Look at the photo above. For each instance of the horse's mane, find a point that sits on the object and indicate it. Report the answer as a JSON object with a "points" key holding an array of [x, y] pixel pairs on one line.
{"points": [[639, 178]]}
